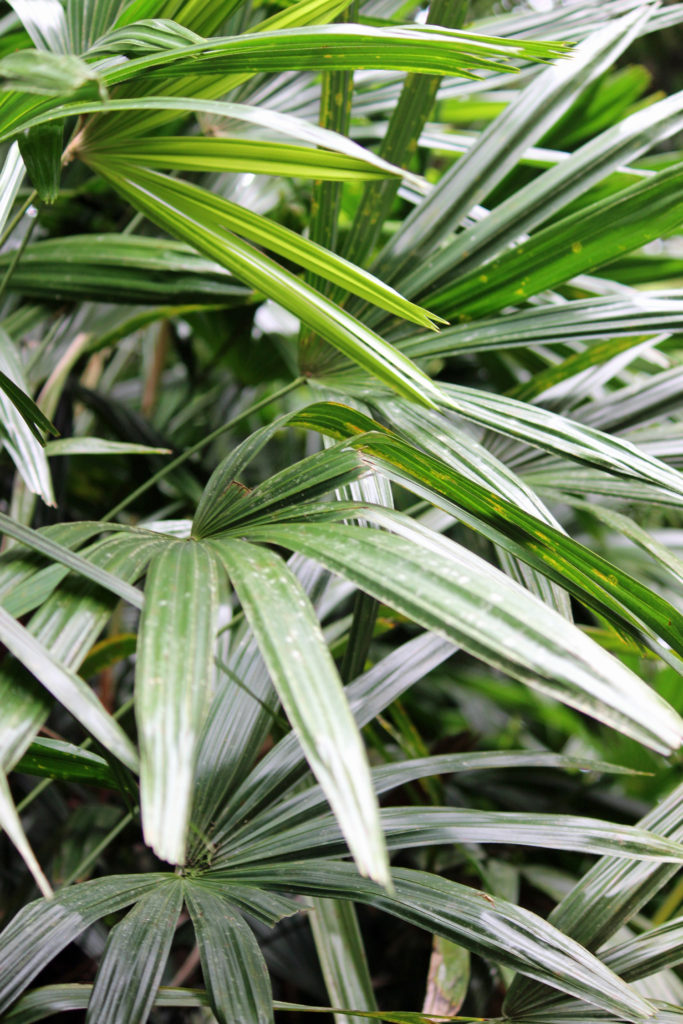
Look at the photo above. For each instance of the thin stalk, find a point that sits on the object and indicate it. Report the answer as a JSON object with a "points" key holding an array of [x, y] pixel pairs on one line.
{"points": [[9, 228], [189, 452], [92, 857], [16, 256]]}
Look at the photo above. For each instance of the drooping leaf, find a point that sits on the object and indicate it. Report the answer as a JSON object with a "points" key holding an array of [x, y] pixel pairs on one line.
{"points": [[44, 73], [305, 677]]}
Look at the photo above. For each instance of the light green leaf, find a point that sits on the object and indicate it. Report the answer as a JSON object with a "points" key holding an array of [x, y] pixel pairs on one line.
{"points": [[235, 973], [135, 956], [173, 687], [205, 208], [342, 331], [99, 446], [419, 48], [147, 36], [233, 155], [121, 268], [46, 74], [311, 692]]}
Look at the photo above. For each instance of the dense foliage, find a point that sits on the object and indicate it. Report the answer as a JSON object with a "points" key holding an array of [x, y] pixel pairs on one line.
{"points": [[340, 591]]}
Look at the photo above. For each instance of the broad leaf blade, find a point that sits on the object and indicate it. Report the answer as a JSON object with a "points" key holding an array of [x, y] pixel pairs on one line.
{"points": [[309, 687], [234, 970], [135, 956], [173, 687]]}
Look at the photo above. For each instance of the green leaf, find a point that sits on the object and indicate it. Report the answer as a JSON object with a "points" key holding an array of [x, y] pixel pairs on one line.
{"points": [[23, 442], [342, 331], [46, 74], [594, 580], [66, 626], [535, 203], [418, 48], [408, 827], [654, 950], [562, 436], [46, 546], [274, 819], [446, 588], [523, 122], [579, 242], [146, 36], [42, 928], [135, 956], [41, 149], [173, 687], [236, 792], [606, 897], [99, 446], [68, 688], [341, 953], [56, 759], [34, 418], [233, 967], [311, 692], [11, 825], [498, 930], [120, 268], [233, 155], [304, 481]]}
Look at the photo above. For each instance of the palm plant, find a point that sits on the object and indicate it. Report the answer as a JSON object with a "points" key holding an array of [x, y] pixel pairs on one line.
{"points": [[365, 523]]}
